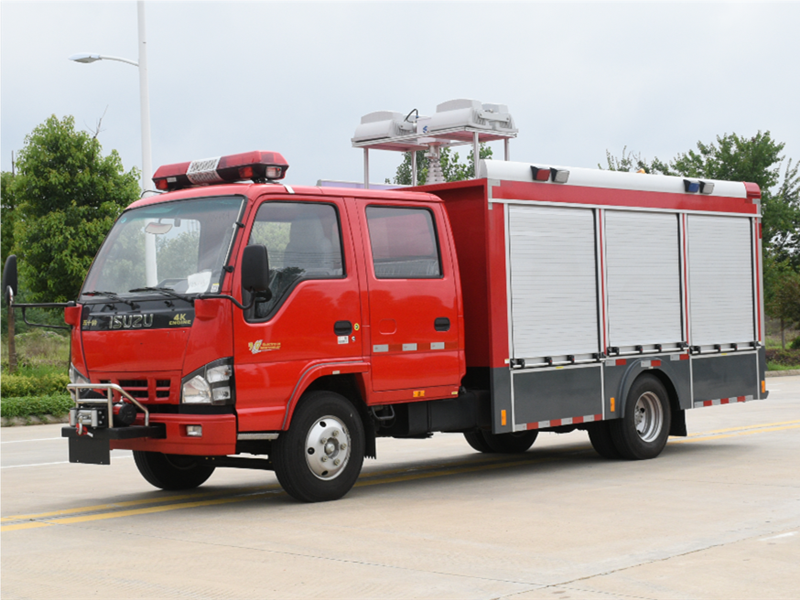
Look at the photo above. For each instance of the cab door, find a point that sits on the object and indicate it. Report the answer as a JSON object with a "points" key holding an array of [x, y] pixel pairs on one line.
{"points": [[413, 299], [313, 317]]}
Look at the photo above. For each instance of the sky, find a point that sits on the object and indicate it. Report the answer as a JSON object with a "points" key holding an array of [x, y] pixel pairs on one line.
{"points": [[579, 78]]}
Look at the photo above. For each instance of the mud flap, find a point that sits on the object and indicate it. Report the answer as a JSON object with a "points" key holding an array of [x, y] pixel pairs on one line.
{"points": [[95, 449], [89, 451]]}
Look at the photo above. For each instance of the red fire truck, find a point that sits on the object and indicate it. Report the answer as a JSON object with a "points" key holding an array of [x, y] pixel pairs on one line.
{"points": [[258, 325]]}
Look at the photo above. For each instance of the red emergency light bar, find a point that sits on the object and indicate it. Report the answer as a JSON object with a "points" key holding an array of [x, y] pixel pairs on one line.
{"points": [[258, 166]]}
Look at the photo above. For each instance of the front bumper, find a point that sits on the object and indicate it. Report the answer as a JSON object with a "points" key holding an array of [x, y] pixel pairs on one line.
{"points": [[166, 433], [218, 439]]}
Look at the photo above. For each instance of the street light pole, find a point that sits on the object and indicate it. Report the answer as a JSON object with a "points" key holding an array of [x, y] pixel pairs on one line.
{"points": [[144, 93], [144, 105]]}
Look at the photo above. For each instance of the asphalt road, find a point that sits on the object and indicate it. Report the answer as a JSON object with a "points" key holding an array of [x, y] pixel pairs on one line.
{"points": [[716, 516]]}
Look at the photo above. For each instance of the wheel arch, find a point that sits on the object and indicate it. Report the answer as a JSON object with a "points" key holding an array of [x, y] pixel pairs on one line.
{"points": [[351, 386], [635, 372]]}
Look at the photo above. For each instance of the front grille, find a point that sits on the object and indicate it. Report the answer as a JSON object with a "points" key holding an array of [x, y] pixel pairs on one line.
{"points": [[135, 387], [162, 388], [147, 390]]}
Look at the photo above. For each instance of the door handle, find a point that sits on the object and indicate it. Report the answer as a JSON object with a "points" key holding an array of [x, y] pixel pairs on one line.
{"points": [[343, 328], [442, 324]]}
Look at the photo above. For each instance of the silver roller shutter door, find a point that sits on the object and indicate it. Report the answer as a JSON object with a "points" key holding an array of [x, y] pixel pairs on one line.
{"points": [[643, 278], [720, 280], [553, 281]]}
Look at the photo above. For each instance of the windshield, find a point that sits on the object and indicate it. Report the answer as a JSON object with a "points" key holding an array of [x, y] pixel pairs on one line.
{"points": [[181, 246]]}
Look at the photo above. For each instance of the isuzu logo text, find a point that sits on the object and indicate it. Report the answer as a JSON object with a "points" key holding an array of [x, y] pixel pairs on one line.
{"points": [[131, 321]]}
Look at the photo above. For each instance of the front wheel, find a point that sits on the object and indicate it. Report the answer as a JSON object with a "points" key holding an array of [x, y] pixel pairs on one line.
{"points": [[321, 455], [172, 471], [643, 431]]}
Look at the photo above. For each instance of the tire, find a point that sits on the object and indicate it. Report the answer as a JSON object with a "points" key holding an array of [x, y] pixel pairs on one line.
{"points": [[325, 428], [172, 471], [603, 444], [477, 441], [501, 443], [644, 428]]}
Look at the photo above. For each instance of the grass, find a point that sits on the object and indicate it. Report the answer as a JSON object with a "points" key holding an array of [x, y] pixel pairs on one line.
{"points": [[779, 359], [38, 387], [773, 366], [39, 348]]}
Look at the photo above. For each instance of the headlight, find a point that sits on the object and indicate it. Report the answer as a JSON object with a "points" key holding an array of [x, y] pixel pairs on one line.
{"points": [[76, 376], [196, 391], [213, 384]]}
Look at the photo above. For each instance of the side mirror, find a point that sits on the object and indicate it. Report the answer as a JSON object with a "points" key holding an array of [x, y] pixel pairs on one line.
{"points": [[10, 279], [255, 271]]}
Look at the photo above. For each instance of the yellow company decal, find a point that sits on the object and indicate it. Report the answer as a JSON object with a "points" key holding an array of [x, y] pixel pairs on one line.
{"points": [[180, 320], [259, 346]]}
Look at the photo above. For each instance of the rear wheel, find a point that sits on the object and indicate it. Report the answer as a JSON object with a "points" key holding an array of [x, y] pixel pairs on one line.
{"points": [[172, 471], [600, 436], [501, 443], [321, 455], [643, 431], [477, 441]]}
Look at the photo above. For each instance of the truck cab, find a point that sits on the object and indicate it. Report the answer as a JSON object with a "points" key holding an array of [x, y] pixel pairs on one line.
{"points": [[360, 310]]}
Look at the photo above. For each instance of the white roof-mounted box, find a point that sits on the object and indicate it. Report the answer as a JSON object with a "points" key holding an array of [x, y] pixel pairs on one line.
{"points": [[460, 119], [456, 122], [387, 130]]}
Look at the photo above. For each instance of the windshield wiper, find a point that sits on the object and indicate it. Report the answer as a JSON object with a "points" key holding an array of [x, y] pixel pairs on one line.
{"points": [[111, 296], [166, 291]]}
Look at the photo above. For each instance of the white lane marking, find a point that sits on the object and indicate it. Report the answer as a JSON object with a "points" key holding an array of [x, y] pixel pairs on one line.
{"points": [[62, 462], [780, 535], [36, 440]]}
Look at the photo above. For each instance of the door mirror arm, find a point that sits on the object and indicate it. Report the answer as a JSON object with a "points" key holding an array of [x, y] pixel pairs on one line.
{"points": [[254, 270]]}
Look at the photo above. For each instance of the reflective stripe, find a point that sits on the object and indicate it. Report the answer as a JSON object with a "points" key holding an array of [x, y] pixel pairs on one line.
{"points": [[702, 403], [415, 347], [559, 422]]}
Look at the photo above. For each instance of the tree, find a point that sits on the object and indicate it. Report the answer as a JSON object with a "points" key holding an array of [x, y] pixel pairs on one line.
{"points": [[737, 158], [782, 294], [757, 159], [7, 222], [68, 196], [452, 169]]}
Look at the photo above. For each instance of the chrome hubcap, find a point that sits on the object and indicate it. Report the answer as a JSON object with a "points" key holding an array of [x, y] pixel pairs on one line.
{"points": [[327, 448], [648, 416]]}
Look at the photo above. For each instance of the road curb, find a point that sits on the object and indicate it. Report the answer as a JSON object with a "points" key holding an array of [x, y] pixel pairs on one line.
{"points": [[40, 420], [783, 373]]}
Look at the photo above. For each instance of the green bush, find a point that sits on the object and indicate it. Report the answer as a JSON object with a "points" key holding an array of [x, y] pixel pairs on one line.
{"points": [[23, 385], [35, 406], [783, 358], [795, 345]]}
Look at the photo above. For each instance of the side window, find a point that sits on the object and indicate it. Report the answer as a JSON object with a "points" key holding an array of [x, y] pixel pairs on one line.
{"points": [[403, 243], [303, 242]]}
